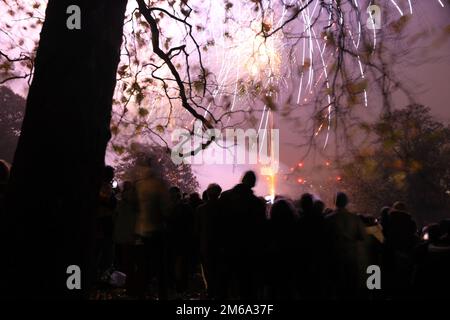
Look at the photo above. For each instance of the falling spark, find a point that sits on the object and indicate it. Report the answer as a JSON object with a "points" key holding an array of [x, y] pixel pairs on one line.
{"points": [[397, 6]]}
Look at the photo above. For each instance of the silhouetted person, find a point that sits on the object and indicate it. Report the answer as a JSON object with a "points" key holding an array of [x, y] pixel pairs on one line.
{"points": [[402, 231], [208, 229], [345, 235], [318, 207], [401, 239], [431, 277], [384, 219], [205, 196], [310, 244], [105, 224], [374, 240], [244, 217], [151, 228], [125, 235], [374, 250], [305, 204], [281, 253], [195, 200], [181, 235]]}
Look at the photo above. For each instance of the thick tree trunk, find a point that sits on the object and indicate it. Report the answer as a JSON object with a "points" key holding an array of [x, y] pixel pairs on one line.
{"points": [[55, 177]]}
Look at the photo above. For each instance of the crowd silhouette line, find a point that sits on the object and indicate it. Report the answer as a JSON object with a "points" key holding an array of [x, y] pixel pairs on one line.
{"points": [[155, 242]]}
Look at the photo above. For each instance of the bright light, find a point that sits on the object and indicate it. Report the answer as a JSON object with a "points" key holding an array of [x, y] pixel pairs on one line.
{"points": [[270, 198], [260, 55]]}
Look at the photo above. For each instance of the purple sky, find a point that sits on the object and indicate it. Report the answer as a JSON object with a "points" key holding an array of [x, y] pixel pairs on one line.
{"points": [[429, 82]]}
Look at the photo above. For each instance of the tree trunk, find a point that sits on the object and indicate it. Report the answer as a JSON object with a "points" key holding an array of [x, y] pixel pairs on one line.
{"points": [[55, 177]]}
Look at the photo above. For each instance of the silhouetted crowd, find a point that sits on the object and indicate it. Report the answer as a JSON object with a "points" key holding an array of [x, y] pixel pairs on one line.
{"points": [[247, 248], [153, 237]]}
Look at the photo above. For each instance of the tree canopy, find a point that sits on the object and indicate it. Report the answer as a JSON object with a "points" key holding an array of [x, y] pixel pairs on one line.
{"points": [[11, 115], [407, 159]]}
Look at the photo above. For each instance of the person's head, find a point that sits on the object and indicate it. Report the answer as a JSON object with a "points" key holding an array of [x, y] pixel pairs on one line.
{"points": [[194, 197], [306, 203], [282, 212], [341, 200], [249, 179], [399, 206], [174, 194], [384, 213], [108, 174], [205, 195], [213, 191], [318, 207]]}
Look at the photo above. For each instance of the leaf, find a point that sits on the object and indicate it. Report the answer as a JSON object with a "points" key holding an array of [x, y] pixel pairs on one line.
{"points": [[358, 87], [399, 25], [160, 128], [139, 97], [142, 112], [138, 129], [198, 85], [306, 65], [266, 27], [114, 130], [135, 86], [268, 100], [389, 143], [119, 149], [365, 126]]}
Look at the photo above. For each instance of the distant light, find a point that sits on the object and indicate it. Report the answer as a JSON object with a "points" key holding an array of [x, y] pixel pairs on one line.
{"points": [[339, 178], [426, 236], [300, 164], [269, 198], [115, 184], [300, 180], [327, 163]]}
